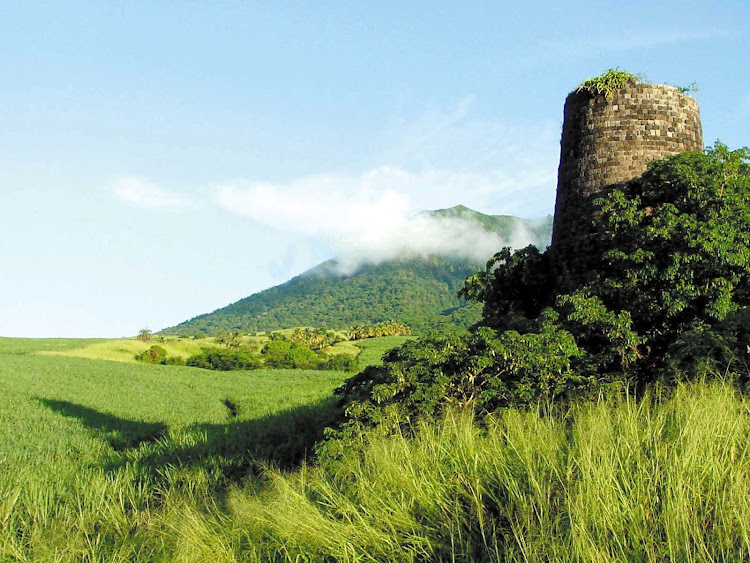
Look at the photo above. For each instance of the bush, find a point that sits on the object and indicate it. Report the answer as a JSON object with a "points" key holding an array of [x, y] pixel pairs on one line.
{"points": [[341, 362], [224, 360], [282, 353], [154, 355]]}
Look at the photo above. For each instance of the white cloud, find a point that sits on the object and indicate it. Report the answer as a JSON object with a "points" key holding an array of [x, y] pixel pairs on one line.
{"points": [[321, 206], [143, 193], [336, 205], [438, 160], [426, 235], [366, 218]]}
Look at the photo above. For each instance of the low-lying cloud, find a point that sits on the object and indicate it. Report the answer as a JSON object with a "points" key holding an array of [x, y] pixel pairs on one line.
{"points": [[371, 218], [425, 235]]}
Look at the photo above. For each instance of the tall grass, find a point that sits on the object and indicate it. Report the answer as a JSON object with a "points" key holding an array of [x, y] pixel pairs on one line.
{"points": [[618, 480], [101, 461]]}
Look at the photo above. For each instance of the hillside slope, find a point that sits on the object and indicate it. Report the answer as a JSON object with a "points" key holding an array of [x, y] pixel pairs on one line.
{"points": [[420, 291]]}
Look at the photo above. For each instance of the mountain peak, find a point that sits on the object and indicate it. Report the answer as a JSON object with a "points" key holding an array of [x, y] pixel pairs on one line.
{"points": [[420, 291]]}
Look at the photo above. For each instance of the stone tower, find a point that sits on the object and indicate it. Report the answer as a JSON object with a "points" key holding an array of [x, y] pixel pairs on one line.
{"points": [[607, 141]]}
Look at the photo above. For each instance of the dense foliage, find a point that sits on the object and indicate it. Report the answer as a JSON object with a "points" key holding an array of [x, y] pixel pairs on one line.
{"points": [[676, 248], [279, 352], [223, 359], [419, 292], [671, 286], [158, 355], [377, 330]]}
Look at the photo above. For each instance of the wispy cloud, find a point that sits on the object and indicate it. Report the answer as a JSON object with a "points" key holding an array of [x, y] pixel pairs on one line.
{"points": [[646, 39], [146, 194], [456, 138], [367, 218], [335, 206]]}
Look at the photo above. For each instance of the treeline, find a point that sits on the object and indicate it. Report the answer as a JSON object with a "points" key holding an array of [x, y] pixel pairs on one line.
{"points": [[387, 328], [304, 348]]}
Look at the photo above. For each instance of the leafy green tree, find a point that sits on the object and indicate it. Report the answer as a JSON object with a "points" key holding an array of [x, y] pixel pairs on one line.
{"points": [[676, 245], [513, 289]]}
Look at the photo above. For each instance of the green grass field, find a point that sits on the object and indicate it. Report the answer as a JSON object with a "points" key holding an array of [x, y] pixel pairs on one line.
{"points": [[85, 440], [372, 349], [618, 480], [115, 461]]}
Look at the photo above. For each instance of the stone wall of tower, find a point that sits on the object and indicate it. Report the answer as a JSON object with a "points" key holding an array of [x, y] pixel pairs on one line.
{"points": [[606, 142]]}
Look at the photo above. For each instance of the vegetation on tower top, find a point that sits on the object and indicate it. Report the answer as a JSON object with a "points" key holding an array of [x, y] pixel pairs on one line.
{"points": [[607, 82]]}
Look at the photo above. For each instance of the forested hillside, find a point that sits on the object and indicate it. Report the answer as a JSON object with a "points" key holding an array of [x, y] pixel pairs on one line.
{"points": [[419, 291]]}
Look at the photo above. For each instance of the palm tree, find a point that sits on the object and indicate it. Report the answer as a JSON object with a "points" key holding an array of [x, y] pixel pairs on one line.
{"points": [[144, 334]]}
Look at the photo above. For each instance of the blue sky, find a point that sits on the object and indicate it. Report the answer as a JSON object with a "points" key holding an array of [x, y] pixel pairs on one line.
{"points": [[159, 160]]}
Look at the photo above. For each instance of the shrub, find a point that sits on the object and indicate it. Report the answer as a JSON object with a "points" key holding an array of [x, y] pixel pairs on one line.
{"points": [[340, 362], [278, 353], [224, 360], [154, 355]]}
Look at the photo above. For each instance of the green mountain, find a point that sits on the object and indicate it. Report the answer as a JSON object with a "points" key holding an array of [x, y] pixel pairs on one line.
{"points": [[420, 291]]}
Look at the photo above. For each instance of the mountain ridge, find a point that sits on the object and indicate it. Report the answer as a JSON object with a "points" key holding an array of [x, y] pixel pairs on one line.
{"points": [[418, 290]]}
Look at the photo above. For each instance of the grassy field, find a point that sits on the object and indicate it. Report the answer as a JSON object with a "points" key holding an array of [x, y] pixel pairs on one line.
{"points": [[91, 448], [372, 349], [30, 345], [114, 461], [125, 349]]}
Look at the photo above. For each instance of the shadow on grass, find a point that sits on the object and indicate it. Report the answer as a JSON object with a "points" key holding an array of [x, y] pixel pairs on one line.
{"points": [[228, 451], [121, 433]]}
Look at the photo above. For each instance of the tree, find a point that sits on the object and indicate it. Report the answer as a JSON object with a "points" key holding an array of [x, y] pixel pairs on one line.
{"points": [[513, 288], [232, 340], [144, 335], [676, 245]]}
